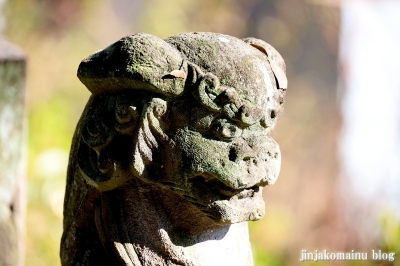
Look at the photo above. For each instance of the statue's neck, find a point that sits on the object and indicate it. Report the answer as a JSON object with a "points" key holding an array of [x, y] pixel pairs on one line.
{"points": [[143, 222]]}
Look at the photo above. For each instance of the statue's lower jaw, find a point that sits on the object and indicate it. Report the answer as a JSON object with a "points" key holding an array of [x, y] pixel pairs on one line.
{"points": [[248, 205]]}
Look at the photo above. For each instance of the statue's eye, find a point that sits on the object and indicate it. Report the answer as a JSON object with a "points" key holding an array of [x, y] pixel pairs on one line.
{"points": [[225, 130]]}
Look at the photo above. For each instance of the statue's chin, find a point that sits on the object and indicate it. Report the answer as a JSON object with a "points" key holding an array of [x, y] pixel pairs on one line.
{"points": [[248, 205]]}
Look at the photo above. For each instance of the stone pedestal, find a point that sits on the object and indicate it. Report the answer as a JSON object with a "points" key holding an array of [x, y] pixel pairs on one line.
{"points": [[12, 179]]}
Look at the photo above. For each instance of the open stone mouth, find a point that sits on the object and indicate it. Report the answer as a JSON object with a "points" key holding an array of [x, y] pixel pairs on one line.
{"points": [[220, 188]]}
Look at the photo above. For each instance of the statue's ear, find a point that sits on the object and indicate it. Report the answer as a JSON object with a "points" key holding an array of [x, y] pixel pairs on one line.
{"points": [[208, 91], [276, 61]]}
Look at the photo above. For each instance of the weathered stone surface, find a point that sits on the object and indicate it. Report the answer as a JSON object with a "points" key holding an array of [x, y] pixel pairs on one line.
{"points": [[172, 151], [140, 61], [12, 181]]}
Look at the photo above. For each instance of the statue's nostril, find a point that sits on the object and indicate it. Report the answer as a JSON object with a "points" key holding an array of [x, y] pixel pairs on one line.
{"points": [[233, 154], [273, 114]]}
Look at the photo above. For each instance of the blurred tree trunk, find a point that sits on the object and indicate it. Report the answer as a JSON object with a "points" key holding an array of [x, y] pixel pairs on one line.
{"points": [[12, 180]]}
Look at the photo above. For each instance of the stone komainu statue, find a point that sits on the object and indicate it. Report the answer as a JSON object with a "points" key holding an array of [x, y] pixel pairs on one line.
{"points": [[172, 151]]}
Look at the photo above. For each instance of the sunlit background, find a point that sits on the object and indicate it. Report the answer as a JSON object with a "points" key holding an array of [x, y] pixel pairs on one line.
{"points": [[339, 134]]}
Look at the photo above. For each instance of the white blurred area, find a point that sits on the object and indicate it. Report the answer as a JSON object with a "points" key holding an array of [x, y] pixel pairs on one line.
{"points": [[370, 139]]}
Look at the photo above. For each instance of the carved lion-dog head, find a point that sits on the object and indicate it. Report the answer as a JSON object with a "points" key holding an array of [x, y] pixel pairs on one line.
{"points": [[191, 113]]}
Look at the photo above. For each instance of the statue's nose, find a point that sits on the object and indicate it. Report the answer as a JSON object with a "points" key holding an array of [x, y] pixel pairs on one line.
{"points": [[252, 149], [261, 157], [241, 150]]}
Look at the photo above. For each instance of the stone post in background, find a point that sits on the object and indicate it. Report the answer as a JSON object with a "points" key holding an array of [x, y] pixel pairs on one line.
{"points": [[12, 179]]}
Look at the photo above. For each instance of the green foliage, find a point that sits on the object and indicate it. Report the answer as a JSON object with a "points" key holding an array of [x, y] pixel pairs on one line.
{"points": [[390, 236], [262, 258]]}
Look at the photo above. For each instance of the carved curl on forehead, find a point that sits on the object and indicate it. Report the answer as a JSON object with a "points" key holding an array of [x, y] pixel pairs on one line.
{"points": [[223, 99]]}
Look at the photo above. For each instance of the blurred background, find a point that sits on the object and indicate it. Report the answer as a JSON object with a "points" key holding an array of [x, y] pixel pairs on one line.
{"points": [[339, 134]]}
